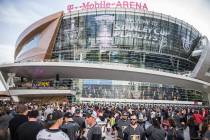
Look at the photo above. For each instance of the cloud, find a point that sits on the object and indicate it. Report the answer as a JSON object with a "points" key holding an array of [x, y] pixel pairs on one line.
{"points": [[13, 15], [14, 19], [7, 54], [17, 15]]}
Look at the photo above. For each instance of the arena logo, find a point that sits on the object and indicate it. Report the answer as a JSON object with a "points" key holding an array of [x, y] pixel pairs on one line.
{"points": [[186, 42], [141, 29], [106, 4]]}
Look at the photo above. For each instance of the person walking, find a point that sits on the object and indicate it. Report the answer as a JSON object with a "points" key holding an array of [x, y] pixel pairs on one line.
{"points": [[81, 121], [53, 132], [95, 132], [19, 119], [70, 127], [155, 132], [29, 129], [134, 131], [122, 123], [4, 123]]}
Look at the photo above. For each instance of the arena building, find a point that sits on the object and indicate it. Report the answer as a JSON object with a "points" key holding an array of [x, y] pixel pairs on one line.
{"points": [[116, 55]]}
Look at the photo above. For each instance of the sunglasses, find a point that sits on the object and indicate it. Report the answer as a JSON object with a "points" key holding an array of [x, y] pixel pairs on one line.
{"points": [[133, 119]]}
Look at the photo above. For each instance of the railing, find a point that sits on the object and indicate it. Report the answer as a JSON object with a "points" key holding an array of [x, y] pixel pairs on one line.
{"points": [[137, 101], [186, 73], [45, 88]]}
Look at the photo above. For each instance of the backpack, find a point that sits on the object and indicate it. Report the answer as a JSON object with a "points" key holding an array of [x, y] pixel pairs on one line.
{"points": [[171, 135], [153, 135]]}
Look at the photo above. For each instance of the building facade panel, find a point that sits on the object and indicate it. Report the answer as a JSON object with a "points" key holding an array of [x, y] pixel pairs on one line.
{"points": [[37, 40], [139, 40]]}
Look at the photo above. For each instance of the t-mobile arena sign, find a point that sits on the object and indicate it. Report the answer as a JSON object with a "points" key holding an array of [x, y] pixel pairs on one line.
{"points": [[107, 4]]}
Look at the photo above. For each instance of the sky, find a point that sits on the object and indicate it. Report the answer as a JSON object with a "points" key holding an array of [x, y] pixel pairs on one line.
{"points": [[17, 15]]}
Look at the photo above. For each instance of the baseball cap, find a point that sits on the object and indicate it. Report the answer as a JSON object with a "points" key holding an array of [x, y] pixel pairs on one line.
{"points": [[125, 114], [77, 110], [90, 113], [56, 116], [68, 115], [33, 114]]}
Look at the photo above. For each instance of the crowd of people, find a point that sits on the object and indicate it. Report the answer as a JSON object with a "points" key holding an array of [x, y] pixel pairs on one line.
{"points": [[31, 121]]}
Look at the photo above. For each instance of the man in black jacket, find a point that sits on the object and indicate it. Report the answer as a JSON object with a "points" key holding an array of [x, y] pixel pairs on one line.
{"points": [[29, 129], [19, 119]]}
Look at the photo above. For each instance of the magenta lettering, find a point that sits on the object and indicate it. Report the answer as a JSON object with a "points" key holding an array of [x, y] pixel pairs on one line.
{"points": [[70, 7], [119, 5], [106, 4], [97, 5], [145, 7], [125, 4], [91, 6], [85, 6], [133, 5], [138, 5]]}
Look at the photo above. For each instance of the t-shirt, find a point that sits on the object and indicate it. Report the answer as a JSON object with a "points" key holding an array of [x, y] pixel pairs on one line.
{"points": [[134, 134], [155, 133], [4, 121], [94, 133], [80, 121], [207, 135], [15, 123], [55, 134], [71, 129], [122, 124], [28, 130]]}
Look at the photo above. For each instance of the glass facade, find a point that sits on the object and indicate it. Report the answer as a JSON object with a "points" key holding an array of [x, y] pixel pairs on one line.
{"points": [[112, 89], [145, 40], [139, 90], [30, 44]]}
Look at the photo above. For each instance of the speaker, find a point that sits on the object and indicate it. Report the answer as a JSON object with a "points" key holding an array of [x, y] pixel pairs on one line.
{"points": [[21, 79], [71, 83], [57, 77]]}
